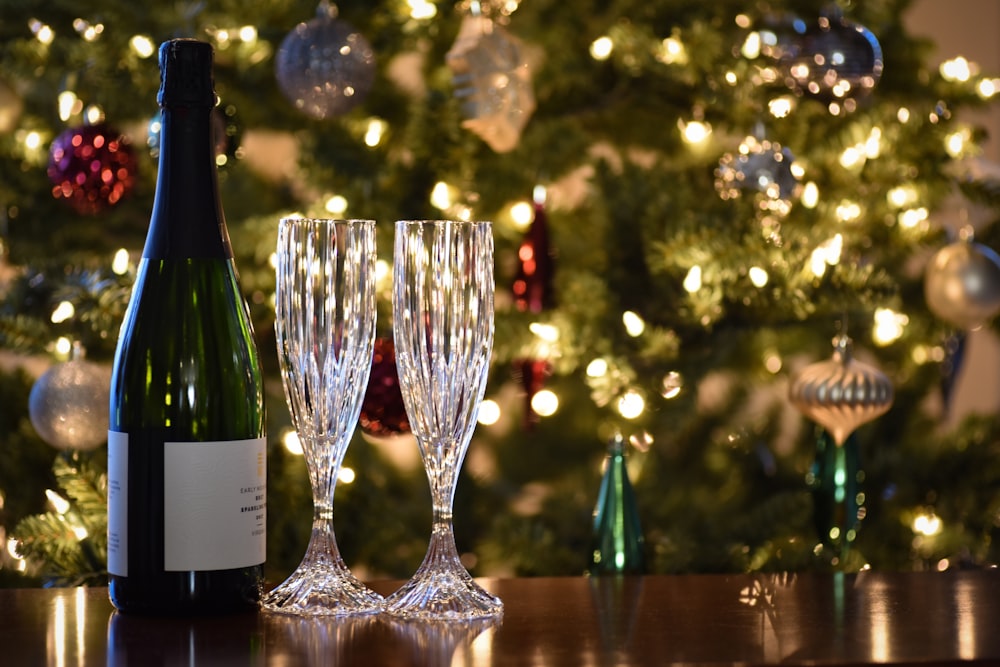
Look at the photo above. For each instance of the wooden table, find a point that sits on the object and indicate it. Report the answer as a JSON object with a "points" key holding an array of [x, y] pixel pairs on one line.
{"points": [[902, 618]]}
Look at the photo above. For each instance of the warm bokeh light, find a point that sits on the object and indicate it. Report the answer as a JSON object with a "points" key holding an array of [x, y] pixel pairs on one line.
{"points": [[489, 412], [631, 405], [601, 48], [597, 368], [290, 441], [634, 324], [545, 403], [692, 281]]}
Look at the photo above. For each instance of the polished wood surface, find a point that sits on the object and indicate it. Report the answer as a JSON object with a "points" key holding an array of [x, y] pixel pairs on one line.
{"points": [[900, 618]]}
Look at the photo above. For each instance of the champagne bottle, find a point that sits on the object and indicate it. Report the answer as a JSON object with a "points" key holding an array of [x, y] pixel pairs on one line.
{"points": [[186, 446]]}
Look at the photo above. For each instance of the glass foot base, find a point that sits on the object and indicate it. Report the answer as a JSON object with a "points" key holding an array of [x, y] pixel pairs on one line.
{"points": [[443, 595], [323, 589]]}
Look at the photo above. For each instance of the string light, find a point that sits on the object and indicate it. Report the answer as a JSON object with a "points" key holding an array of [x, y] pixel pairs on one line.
{"points": [[597, 368], [32, 140], [441, 196], [248, 34], [672, 51], [489, 412], [373, 133], [810, 195], [59, 504], [69, 104], [142, 46], [634, 324], [545, 403], [758, 276], [345, 475], [631, 404], [42, 31], [781, 107], [987, 88], [64, 311], [695, 132], [89, 32], [958, 69], [290, 441], [337, 205], [848, 211], [927, 525], [521, 213], [889, 326], [692, 281], [601, 48], [955, 143], [913, 218], [772, 362], [902, 196], [421, 9], [63, 346], [751, 46], [120, 262], [826, 254]]}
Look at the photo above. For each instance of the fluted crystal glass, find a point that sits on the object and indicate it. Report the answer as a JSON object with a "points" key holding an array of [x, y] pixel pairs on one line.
{"points": [[325, 327], [443, 328]]}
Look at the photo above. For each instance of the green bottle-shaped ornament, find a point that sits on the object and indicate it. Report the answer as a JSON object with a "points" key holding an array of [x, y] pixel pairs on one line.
{"points": [[838, 499], [617, 542]]}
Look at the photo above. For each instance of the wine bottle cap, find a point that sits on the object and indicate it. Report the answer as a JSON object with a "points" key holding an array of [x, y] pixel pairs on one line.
{"points": [[186, 73]]}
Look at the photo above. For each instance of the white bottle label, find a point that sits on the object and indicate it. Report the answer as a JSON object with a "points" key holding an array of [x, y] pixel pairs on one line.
{"points": [[215, 504], [118, 503]]}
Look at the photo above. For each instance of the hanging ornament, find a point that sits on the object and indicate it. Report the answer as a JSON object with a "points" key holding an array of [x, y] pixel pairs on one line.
{"points": [[92, 167], [762, 166], [842, 393], [838, 501], [68, 405], [962, 284], [617, 543], [832, 59], [324, 66], [382, 410], [492, 81], [532, 286], [531, 374]]}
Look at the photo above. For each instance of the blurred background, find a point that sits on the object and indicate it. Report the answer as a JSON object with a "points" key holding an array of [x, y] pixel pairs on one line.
{"points": [[690, 202]]}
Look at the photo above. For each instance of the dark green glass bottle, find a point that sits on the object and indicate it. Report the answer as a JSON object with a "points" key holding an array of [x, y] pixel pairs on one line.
{"points": [[617, 541], [186, 446]]}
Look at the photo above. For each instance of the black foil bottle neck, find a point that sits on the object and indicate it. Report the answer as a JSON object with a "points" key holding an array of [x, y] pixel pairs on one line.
{"points": [[187, 219]]}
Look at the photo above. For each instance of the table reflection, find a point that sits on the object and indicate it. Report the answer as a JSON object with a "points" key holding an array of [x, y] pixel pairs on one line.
{"points": [[194, 642], [941, 618]]}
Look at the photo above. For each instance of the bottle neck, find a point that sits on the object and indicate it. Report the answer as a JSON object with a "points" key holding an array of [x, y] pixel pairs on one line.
{"points": [[187, 219]]}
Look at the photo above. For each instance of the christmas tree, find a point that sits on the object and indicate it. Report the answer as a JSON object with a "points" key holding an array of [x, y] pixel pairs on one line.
{"points": [[690, 201]]}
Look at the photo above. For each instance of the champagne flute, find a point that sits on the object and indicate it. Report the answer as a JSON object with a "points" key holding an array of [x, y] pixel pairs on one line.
{"points": [[325, 326], [443, 328]]}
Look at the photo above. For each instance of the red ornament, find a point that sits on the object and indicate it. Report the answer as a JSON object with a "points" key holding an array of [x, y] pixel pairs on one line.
{"points": [[382, 410], [533, 284], [531, 374], [91, 167]]}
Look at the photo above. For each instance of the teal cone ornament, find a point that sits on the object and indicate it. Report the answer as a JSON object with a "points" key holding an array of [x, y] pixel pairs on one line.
{"points": [[617, 540]]}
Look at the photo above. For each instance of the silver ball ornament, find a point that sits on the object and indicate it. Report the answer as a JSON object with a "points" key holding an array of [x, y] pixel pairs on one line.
{"points": [[842, 393], [324, 66], [762, 166], [68, 405], [962, 284]]}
